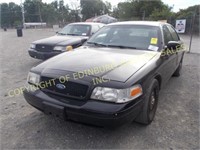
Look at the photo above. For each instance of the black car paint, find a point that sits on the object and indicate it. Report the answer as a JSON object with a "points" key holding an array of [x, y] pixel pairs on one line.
{"points": [[98, 112], [59, 40], [56, 40]]}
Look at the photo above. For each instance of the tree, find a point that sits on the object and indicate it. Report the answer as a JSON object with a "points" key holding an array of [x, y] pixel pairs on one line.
{"points": [[141, 10], [5, 15], [74, 16], [124, 11], [107, 7], [63, 12], [161, 14], [32, 10], [94, 8], [49, 13], [10, 14]]}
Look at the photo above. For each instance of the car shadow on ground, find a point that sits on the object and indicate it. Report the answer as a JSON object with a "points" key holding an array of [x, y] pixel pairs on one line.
{"points": [[68, 134]]}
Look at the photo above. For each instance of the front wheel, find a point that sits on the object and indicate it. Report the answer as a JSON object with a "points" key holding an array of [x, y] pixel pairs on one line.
{"points": [[150, 104]]}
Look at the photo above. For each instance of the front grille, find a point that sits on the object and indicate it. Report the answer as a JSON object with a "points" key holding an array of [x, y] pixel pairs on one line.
{"points": [[44, 48], [72, 89]]}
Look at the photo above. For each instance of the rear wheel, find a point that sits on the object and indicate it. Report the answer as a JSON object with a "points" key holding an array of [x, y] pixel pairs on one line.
{"points": [[150, 105]]}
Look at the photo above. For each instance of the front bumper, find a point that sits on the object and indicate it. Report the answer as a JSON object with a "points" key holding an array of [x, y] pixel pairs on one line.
{"points": [[42, 55], [90, 112]]}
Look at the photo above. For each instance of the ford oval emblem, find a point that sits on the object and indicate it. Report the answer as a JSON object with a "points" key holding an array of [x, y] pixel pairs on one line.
{"points": [[60, 86]]}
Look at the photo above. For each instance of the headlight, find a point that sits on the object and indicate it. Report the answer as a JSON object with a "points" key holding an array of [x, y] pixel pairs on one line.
{"points": [[62, 48], [33, 78], [116, 95], [32, 46]]}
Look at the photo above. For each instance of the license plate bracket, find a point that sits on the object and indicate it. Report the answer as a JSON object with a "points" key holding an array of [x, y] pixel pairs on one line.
{"points": [[55, 110]]}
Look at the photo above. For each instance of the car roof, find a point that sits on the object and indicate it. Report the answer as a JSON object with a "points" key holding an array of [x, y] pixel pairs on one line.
{"points": [[148, 23], [87, 23]]}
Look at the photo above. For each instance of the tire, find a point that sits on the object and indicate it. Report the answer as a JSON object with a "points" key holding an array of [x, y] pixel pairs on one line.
{"points": [[150, 104], [178, 70]]}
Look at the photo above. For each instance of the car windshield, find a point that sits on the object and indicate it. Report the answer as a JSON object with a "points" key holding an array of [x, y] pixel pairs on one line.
{"points": [[141, 37], [76, 30]]}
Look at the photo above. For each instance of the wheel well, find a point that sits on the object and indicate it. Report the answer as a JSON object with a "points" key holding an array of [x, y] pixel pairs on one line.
{"points": [[158, 77]]}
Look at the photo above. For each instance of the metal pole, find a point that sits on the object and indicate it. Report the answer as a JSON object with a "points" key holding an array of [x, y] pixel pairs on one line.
{"points": [[23, 17], [191, 29], [143, 17], [40, 16]]}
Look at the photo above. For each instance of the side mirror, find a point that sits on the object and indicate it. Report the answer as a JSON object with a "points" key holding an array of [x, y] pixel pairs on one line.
{"points": [[173, 45], [170, 49], [56, 32]]}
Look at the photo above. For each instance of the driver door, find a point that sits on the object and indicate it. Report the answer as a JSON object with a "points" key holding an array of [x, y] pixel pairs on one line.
{"points": [[170, 58]]}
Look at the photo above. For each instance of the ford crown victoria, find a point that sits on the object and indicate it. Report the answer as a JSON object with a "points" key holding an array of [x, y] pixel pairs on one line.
{"points": [[114, 78], [70, 37]]}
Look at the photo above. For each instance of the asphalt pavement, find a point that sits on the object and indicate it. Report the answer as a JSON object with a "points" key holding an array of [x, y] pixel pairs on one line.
{"points": [[176, 125]]}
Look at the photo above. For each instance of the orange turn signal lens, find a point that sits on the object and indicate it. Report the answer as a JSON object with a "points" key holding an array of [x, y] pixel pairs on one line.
{"points": [[136, 91]]}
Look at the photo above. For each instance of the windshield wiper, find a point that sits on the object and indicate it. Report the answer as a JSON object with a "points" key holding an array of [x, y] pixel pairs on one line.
{"points": [[97, 44], [61, 33], [73, 34], [121, 46]]}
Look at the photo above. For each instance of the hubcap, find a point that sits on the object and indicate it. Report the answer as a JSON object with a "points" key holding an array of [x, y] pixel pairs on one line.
{"points": [[152, 102], [152, 105]]}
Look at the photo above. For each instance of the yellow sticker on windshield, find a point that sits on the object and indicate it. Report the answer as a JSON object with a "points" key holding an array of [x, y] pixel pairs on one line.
{"points": [[154, 40]]}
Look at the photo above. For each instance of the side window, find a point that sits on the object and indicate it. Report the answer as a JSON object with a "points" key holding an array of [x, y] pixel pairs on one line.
{"points": [[95, 28], [167, 34], [173, 33]]}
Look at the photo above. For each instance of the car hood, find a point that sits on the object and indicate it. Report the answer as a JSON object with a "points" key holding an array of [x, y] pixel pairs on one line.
{"points": [[121, 64], [60, 40]]}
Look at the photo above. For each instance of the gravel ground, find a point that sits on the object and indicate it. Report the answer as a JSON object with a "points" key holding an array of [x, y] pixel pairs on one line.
{"points": [[195, 48], [176, 125]]}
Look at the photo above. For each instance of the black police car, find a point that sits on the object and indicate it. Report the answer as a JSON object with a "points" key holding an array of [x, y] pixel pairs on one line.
{"points": [[114, 78], [70, 37]]}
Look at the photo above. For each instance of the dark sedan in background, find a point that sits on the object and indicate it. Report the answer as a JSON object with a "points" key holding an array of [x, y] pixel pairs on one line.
{"points": [[114, 78], [70, 37]]}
